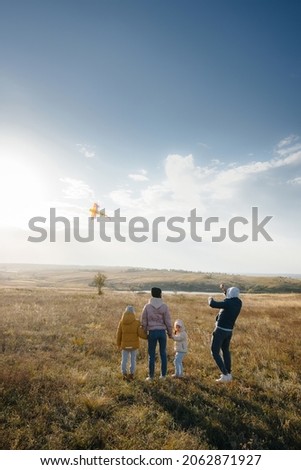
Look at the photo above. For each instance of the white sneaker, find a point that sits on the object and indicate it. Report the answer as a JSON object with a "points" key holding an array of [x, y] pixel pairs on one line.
{"points": [[224, 378], [149, 378]]}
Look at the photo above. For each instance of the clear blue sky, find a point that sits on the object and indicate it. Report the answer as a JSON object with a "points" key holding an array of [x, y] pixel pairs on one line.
{"points": [[156, 108]]}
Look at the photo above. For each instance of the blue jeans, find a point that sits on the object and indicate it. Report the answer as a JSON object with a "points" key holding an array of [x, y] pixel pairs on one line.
{"points": [[178, 362], [154, 337], [125, 354], [221, 342]]}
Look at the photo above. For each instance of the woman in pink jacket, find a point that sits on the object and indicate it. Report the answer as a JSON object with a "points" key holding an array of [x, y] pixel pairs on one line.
{"points": [[156, 322]]}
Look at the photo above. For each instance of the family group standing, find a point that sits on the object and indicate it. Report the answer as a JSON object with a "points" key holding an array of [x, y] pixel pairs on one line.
{"points": [[155, 325]]}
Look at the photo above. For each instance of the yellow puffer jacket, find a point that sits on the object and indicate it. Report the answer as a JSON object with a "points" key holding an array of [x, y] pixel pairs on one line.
{"points": [[127, 331]]}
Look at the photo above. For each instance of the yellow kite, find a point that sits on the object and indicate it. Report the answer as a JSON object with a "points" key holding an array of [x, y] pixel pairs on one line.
{"points": [[94, 211]]}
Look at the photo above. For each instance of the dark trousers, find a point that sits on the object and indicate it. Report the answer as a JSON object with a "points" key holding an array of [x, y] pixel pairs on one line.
{"points": [[221, 342], [154, 337]]}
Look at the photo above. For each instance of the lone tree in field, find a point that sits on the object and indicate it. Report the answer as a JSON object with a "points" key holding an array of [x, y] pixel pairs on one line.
{"points": [[99, 281]]}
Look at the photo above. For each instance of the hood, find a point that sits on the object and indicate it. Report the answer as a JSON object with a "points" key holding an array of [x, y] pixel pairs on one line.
{"points": [[128, 317], [232, 292], [180, 323], [155, 302]]}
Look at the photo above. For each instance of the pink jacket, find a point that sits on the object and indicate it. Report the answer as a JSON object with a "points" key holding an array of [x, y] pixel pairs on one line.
{"points": [[156, 316]]}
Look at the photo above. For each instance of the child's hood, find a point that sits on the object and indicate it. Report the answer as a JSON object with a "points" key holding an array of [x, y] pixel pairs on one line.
{"points": [[180, 323], [128, 317]]}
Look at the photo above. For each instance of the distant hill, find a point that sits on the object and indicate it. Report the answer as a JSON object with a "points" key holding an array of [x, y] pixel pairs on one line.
{"points": [[141, 279]]}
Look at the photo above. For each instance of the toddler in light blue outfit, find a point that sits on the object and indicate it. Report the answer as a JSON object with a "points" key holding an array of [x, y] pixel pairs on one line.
{"points": [[180, 346]]}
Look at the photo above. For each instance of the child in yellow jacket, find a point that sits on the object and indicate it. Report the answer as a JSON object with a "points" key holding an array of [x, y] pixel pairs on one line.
{"points": [[128, 341]]}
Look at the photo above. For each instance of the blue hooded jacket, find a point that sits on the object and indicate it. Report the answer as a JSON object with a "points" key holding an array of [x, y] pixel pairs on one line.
{"points": [[229, 309]]}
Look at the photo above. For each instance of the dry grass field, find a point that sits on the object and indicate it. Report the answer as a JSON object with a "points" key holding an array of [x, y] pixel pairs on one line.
{"points": [[61, 387]]}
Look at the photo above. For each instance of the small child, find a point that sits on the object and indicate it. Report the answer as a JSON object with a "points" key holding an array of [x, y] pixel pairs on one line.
{"points": [[128, 341], [180, 346]]}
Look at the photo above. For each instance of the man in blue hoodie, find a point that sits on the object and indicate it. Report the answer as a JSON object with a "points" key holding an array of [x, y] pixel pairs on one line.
{"points": [[222, 334]]}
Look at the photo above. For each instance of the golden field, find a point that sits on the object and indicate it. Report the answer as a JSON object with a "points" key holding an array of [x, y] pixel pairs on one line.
{"points": [[61, 387]]}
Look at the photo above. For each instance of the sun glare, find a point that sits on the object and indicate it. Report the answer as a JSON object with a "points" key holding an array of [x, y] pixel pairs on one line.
{"points": [[20, 190]]}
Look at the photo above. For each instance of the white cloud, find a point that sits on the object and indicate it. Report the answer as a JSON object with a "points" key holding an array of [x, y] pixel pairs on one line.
{"points": [[287, 141], [76, 189], [185, 184], [86, 150], [202, 144], [124, 198], [139, 176], [289, 145], [295, 181], [225, 182], [216, 161], [217, 189]]}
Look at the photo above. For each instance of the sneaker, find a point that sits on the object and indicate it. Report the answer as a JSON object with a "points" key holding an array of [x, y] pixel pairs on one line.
{"points": [[148, 379], [162, 377], [224, 378], [131, 377]]}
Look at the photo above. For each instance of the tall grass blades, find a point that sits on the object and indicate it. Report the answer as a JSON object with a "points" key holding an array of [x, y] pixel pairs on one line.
{"points": [[61, 386]]}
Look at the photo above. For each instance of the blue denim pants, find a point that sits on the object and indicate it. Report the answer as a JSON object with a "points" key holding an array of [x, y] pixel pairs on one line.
{"points": [[154, 337], [221, 342], [178, 362], [125, 354]]}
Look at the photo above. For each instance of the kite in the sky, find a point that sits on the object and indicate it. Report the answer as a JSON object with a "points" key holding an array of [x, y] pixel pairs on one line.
{"points": [[95, 211]]}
